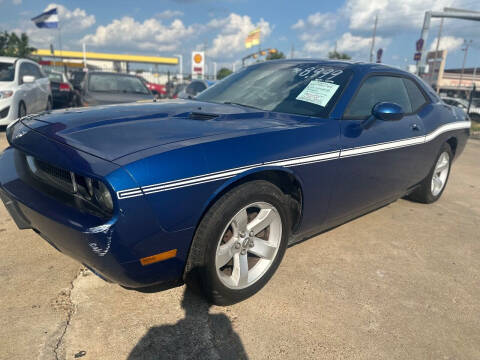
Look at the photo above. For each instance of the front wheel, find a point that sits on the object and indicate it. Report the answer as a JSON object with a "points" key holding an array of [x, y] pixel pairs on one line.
{"points": [[432, 187], [240, 242]]}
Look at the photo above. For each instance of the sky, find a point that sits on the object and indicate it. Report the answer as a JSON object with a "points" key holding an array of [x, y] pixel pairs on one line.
{"points": [[311, 28]]}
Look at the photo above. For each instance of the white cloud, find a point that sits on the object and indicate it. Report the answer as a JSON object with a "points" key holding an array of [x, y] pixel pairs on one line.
{"points": [[318, 21], [394, 15], [233, 31], [17, 2], [72, 20], [167, 14], [152, 34], [447, 43], [355, 46], [300, 24], [316, 49]]}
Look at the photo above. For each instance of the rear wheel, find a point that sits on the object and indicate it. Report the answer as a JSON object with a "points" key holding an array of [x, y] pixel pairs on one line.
{"points": [[240, 242], [434, 184]]}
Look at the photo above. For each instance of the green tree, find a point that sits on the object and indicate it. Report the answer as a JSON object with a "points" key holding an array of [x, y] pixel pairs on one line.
{"points": [[13, 45], [277, 55], [337, 55], [223, 72]]}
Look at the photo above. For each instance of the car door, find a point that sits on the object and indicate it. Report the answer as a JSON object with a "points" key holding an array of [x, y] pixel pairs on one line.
{"points": [[29, 95], [42, 84], [378, 163]]}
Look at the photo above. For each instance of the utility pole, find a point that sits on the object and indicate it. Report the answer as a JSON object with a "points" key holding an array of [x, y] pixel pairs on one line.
{"points": [[292, 51], [373, 38], [436, 55], [180, 63], [466, 45], [215, 70]]}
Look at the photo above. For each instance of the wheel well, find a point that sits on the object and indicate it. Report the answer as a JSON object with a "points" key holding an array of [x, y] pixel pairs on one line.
{"points": [[283, 180], [453, 144]]}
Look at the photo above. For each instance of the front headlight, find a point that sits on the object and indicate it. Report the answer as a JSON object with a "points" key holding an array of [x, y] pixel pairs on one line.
{"points": [[5, 94], [102, 196]]}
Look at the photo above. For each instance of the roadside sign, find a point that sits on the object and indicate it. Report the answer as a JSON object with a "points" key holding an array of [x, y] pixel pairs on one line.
{"points": [[419, 45], [198, 64], [417, 56]]}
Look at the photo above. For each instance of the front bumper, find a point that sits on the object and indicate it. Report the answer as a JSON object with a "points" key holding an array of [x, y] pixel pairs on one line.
{"points": [[12, 111], [111, 248]]}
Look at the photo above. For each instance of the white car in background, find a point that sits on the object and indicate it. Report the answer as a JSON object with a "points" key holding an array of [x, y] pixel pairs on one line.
{"points": [[474, 111], [24, 89]]}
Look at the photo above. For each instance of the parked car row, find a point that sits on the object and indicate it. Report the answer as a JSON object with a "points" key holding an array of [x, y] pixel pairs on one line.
{"points": [[24, 89], [473, 112]]}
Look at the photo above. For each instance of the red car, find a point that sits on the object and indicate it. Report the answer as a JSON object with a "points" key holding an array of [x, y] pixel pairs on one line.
{"points": [[155, 88]]}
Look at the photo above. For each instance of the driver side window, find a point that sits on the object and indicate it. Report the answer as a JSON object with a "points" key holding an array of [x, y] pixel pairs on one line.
{"points": [[378, 89]]}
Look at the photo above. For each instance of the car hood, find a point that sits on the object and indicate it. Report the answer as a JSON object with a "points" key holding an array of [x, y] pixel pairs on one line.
{"points": [[7, 85], [111, 132]]}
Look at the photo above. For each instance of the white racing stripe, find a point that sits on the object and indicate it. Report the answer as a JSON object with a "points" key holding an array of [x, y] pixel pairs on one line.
{"points": [[296, 161]]}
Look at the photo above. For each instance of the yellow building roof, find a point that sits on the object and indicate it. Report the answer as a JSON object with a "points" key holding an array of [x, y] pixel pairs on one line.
{"points": [[109, 57]]}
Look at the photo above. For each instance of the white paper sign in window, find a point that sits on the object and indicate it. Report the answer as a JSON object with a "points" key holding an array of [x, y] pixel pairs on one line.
{"points": [[318, 92]]}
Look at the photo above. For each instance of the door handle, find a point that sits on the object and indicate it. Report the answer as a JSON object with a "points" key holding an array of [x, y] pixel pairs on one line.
{"points": [[415, 127]]}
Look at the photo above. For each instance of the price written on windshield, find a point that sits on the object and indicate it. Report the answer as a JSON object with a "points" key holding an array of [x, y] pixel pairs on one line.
{"points": [[319, 73]]}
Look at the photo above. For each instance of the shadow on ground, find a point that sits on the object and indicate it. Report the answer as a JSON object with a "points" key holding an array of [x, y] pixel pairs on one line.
{"points": [[200, 335]]}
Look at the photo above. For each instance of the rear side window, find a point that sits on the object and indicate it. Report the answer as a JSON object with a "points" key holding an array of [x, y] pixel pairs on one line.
{"points": [[378, 89], [417, 99]]}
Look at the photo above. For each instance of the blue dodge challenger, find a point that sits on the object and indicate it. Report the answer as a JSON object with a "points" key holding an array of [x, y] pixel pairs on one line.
{"points": [[212, 190]]}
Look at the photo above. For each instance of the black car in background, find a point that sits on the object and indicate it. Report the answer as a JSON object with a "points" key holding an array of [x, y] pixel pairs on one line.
{"points": [[62, 90], [103, 88]]}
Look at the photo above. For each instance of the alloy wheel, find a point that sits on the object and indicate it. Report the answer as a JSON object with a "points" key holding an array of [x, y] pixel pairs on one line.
{"points": [[248, 245], [440, 173]]}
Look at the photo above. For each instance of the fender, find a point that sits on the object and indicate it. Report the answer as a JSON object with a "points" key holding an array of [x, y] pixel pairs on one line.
{"points": [[238, 178]]}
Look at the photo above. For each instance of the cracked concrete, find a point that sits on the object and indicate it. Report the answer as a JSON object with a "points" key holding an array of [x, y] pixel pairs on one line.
{"points": [[399, 283]]}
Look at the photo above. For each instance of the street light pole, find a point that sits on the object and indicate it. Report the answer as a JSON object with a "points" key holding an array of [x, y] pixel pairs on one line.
{"points": [[467, 45], [180, 63]]}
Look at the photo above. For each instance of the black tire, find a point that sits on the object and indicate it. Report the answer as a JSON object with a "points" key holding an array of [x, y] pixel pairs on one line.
{"points": [[200, 268], [22, 110], [423, 193]]}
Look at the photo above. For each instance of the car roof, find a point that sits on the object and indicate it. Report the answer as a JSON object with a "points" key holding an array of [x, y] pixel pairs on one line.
{"points": [[8, 59], [348, 64]]}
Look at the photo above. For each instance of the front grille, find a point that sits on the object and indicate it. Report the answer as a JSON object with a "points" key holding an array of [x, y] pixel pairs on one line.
{"points": [[56, 172], [50, 174]]}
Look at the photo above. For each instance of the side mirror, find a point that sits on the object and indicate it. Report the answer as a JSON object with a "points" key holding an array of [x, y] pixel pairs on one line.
{"points": [[28, 79], [388, 111]]}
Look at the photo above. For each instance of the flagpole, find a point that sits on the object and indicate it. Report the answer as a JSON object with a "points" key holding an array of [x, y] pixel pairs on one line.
{"points": [[60, 43]]}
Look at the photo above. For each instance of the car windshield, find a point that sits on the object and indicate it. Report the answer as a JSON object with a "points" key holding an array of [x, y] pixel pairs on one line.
{"points": [[116, 83], [307, 88], [55, 77], [7, 71]]}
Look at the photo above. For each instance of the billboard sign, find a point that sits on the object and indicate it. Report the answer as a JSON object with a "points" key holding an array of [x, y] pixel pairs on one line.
{"points": [[198, 64]]}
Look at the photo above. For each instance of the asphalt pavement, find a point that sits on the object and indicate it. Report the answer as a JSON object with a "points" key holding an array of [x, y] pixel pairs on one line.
{"points": [[399, 283]]}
